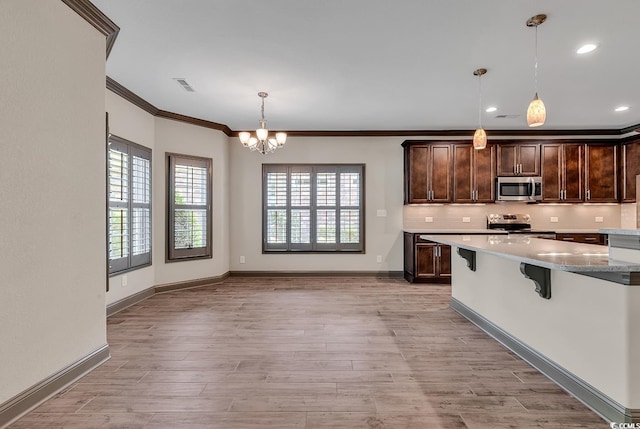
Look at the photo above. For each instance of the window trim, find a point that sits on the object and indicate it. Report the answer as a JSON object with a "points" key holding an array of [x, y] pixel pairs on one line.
{"points": [[316, 248], [177, 255], [142, 152]]}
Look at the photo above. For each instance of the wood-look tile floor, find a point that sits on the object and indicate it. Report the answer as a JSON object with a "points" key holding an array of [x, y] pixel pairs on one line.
{"points": [[307, 353]]}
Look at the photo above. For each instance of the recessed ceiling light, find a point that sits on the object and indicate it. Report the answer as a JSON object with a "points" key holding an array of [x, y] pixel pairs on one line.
{"points": [[621, 108], [585, 49], [491, 109]]}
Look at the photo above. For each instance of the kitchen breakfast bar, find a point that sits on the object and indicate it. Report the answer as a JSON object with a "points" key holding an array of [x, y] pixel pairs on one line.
{"points": [[569, 309]]}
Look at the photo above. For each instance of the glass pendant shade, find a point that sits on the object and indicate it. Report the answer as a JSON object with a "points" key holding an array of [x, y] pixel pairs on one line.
{"points": [[262, 133], [253, 142], [244, 138], [281, 138], [480, 139], [536, 113]]}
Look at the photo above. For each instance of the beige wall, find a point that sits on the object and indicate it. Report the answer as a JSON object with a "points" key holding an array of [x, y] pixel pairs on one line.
{"points": [[161, 135], [132, 123], [383, 191], [52, 173], [178, 137]]}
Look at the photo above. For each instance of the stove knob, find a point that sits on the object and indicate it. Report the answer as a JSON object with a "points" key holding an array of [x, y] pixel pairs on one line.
{"points": [[526, 218]]}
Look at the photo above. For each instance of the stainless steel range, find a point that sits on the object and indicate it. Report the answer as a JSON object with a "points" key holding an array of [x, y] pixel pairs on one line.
{"points": [[516, 223]]}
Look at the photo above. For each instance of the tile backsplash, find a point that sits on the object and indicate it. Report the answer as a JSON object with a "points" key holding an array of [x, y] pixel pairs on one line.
{"points": [[543, 216]]}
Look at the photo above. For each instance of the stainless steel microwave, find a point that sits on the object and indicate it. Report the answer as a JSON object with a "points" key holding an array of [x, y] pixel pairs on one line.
{"points": [[519, 188]]}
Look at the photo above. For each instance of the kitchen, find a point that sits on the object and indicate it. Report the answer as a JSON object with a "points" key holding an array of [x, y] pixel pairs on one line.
{"points": [[54, 297]]}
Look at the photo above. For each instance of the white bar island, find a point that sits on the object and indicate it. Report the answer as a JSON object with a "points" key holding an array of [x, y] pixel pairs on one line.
{"points": [[566, 308]]}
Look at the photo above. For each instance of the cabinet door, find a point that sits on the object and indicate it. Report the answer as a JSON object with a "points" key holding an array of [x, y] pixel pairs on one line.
{"points": [[463, 173], [440, 174], [425, 261], [573, 167], [507, 156], [444, 261], [601, 173], [529, 159], [630, 168], [416, 170], [485, 174], [551, 172]]}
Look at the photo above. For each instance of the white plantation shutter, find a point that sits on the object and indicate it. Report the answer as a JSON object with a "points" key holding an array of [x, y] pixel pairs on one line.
{"points": [[313, 208], [129, 195], [189, 207]]}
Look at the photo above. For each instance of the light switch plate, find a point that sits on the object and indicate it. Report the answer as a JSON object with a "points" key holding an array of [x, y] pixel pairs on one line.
{"points": [[382, 213], [599, 219], [428, 219], [466, 219], [553, 219]]}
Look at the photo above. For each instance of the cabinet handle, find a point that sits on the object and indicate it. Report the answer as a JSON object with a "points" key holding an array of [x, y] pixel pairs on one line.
{"points": [[590, 239], [588, 194]]}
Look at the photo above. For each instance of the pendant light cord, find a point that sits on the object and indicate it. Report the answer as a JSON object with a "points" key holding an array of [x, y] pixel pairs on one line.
{"points": [[535, 67], [480, 99]]}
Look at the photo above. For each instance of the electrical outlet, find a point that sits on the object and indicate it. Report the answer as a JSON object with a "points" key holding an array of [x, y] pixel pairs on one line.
{"points": [[599, 219], [242, 260], [428, 219], [382, 213], [553, 219], [125, 280], [379, 259], [466, 219]]}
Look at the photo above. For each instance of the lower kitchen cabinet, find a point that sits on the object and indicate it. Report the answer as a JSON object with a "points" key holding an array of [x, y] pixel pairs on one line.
{"points": [[426, 261], [589, 238]]}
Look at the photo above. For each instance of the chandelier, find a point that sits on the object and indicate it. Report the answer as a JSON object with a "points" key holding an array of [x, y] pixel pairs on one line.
{"points": [[262, 142]]}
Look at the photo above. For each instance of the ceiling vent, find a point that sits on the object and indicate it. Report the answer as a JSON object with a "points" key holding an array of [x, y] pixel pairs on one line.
{"points": [[184, 84], [506, 116]]}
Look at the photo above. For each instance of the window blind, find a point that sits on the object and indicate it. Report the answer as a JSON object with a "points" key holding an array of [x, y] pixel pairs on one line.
{"points": [[129, 195], [190, 208], [313, 208]]}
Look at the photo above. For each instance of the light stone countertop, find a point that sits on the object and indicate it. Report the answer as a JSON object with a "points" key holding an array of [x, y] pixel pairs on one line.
{"points": [[552, 254], [619, 231], [454, 231]]}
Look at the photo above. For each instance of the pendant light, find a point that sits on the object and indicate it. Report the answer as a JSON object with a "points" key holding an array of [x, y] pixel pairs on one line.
{"points": [[480, 136], [536, 113]]}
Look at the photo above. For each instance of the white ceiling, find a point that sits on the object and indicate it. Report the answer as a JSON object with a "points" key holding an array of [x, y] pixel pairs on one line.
{"points": [[379, 64]]}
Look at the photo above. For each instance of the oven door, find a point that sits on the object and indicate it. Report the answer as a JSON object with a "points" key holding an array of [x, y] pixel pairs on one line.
{"points": [[519, 188]]}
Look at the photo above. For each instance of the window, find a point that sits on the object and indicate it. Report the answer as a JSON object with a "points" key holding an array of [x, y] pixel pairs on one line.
{"points": [[129, 194], [313, 208], [189, 217]]}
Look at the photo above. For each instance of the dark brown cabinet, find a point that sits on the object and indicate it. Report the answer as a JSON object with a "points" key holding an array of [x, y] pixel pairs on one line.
{"points": [[589, 238], [630, 169], [473, 173], [601, 173], [518, 159], [428, 168], [562, 171], [426, 261]]}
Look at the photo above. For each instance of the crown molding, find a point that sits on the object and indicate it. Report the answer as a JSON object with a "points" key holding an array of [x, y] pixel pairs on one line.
{"points": [[194, 121], [97, 19], [130, 96]]}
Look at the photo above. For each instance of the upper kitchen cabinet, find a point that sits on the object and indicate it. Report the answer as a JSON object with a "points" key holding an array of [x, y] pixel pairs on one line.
{"points": [[519, 159], [601, 173], [427, 170], [630, 169], [562, 172], [473, 173]]}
